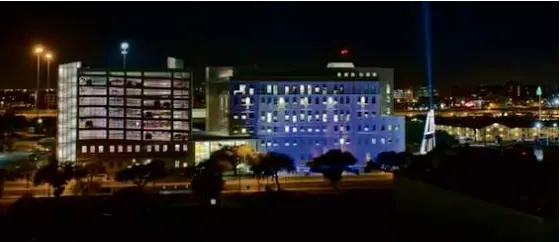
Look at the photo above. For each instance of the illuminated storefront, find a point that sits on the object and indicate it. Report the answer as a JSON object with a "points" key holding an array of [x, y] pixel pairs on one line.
{"points": [[203, 147]]}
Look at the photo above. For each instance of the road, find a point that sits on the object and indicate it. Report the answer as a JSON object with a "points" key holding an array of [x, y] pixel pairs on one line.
{"points": [[14, 190]]}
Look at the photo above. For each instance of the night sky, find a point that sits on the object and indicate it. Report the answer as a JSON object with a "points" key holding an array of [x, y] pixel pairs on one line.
{"points": [[472, 43]]}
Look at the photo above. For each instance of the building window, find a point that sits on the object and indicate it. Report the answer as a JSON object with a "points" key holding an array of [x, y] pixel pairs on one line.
{"points": [[156, 148], [137, 148], [373, 141], [120, 148], [148, 148], [112, 149], [185, 147], [92, 149], [164, 148], [177, 148], [100, 149], [129, 148], [84, 149]]}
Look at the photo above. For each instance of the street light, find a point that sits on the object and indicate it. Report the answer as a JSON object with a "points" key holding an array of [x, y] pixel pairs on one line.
{"points": [[124, 51], [48, 57], [38, 50]]}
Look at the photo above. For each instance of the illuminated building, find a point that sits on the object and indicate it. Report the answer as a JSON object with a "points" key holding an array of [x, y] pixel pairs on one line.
{"points": [[117, 116], [303, 114]]}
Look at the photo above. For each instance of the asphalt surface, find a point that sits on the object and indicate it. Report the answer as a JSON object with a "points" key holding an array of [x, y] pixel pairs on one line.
{"points": [[379, 180]]}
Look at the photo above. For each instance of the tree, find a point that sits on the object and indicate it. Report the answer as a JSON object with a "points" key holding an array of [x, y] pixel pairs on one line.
{"points": [[332, 164], [141, 174], [272, 163], [54, 175], [207, 181], [89, 171]]}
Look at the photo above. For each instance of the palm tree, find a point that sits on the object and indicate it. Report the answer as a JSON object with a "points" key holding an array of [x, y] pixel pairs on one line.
{"points": [[332, 164], [272, 163]]}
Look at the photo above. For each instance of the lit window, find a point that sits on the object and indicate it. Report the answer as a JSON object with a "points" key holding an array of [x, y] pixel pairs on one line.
{"points": [[352, 74], [185, 147], [129, 148], [156, 148], [164, 148], [177, 163], [287, 144], [373, 141], [389, 127], [137, 148], [100, 149], [92, 149], [243, 130], [287, 129], [235, 117], [120, 148], [345, 74], [339, 74], [177, 148], [294, 130], [382, 141], [361, 74], [149, 148], [268, 89], [268, 117], [84, 149]]}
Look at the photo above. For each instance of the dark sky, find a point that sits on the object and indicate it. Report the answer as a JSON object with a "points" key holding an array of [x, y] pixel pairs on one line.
{"points": [[472, 43]]}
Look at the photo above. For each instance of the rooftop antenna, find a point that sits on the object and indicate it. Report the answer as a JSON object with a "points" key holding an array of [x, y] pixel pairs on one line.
{"points": [[429, 137]]}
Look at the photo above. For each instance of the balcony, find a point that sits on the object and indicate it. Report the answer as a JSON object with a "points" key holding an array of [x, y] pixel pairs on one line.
{"points": [[157, 114], [93, 101], [93, 91], [157, 104], [92, 123], [92, 112], [157, 124], [157, 83], [116, 101], [157, 136], [92, 134]]}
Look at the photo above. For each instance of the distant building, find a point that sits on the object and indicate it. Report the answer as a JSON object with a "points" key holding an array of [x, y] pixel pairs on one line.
{"points": [[405, 95], [304, 113], [423, 92]]}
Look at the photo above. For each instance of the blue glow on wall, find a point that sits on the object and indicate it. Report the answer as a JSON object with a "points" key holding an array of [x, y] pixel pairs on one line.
{"points": [[303, 119]]}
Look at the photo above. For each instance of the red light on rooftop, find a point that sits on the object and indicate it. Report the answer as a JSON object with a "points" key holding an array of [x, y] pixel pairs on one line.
{"points": [[344, 52]]}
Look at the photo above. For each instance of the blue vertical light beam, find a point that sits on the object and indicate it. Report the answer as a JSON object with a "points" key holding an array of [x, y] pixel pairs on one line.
{"points": [[428, 50]]}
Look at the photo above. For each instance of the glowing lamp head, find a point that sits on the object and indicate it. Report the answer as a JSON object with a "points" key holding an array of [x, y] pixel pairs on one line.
{"points": [[49, 56], [38, 50], [124, 46], [344, 52]]}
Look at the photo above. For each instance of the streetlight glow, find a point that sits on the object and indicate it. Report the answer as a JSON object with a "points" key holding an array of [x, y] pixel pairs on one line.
{"points": [[124, 45], [38, 49], [124, 52], [48, 56]]}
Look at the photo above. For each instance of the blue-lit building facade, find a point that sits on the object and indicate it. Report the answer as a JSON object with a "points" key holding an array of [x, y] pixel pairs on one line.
{"points": [[304, 115]]}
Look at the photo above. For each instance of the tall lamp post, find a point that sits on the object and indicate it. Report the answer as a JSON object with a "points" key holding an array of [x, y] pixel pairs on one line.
{"points": [[48, 57], [124, 51], [38, 50]]}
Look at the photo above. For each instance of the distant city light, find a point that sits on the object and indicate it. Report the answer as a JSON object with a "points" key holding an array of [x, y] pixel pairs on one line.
{"points": [[538, 125], [344, 52]]}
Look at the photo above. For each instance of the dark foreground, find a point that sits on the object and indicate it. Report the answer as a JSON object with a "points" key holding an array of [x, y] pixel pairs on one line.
{"points": [[291, 216]]}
